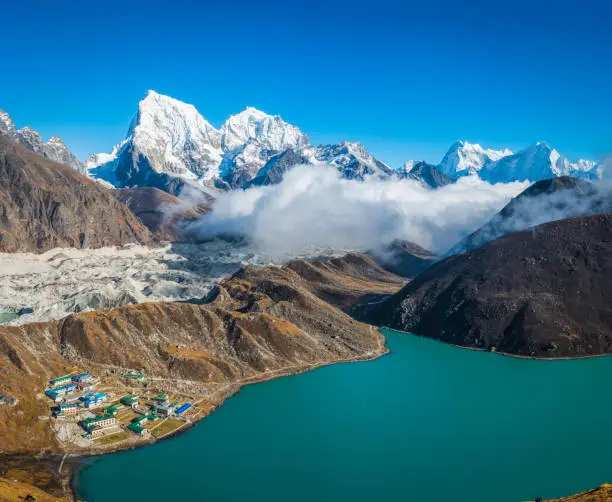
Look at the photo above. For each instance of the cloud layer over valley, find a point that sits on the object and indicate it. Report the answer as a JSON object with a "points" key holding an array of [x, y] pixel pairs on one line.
{"points": [[313, 208]]}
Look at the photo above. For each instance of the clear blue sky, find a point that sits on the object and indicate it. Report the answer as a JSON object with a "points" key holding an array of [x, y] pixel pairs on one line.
{"points": [[405, 78]]}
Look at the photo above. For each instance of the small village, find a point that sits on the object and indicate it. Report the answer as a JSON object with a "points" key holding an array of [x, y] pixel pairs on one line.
{"points": [[108, 416]]}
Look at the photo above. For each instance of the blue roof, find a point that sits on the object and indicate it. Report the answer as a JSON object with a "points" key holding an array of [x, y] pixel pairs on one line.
{"points": [[183, 408], [100, 395], [65, 387]]}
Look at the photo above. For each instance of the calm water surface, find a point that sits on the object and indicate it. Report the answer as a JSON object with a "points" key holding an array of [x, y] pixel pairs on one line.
{"points": [[428, 422]]}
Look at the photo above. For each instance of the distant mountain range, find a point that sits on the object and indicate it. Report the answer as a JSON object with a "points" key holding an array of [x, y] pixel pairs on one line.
{"points": [[54, 149], [169, 144]]}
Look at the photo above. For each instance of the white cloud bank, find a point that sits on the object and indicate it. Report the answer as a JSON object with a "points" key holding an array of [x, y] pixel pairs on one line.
{"points": [[314, 208]]}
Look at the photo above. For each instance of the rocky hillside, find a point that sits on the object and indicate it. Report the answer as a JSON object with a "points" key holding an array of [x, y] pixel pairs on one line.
{"points": [[601, 494], [404, 258], [542, 292], [54, 149], [257, 324], [44, 205], [162, 213], [546, 200]]}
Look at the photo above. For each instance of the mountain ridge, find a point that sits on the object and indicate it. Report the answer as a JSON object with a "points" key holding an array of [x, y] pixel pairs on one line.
{"points": [[540, 292], [45, 204], [169, 144], [239, 152]]}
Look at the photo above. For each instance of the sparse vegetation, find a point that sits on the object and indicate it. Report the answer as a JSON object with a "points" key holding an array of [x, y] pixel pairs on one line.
{"points": [[169, 425]]}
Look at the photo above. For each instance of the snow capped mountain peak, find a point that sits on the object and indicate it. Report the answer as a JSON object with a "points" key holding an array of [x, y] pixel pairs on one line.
{"points": [[463, 159], [167, 137], [54, 149], [270, 132], [56, 140], [6, 124], [405, 168], [352, 160], [163, 117], [534, 163], [30, 138], [249, 139]]}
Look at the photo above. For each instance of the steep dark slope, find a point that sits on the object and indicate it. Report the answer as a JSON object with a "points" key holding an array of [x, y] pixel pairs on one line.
{"points": [[44, 205], [546, 200], [429, 175], [274, 170], [404, 258], [541, 292]]}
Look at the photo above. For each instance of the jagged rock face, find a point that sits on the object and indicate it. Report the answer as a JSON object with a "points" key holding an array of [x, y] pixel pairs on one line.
{"points": [[167, 140], [7, 127], [276, 167], [463, 159], [352, 161], [194, 144], [170, 140], [270, 132], [547, 200], [255, 323], [426, 174], [54, 149], [250, 139], [44, 205], [541, 292]]}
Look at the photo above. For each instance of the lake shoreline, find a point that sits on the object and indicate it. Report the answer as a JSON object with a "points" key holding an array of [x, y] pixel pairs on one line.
{"points": [[78, 460], [504, 354], [313, 409]]}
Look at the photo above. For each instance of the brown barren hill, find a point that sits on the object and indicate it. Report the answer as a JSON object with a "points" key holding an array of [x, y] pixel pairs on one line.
{"points": [[255, 325], [44, 205], [163, 213], [543, 292]]}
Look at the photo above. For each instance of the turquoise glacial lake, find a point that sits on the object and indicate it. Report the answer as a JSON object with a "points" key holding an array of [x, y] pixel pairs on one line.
{"points": [[428, 422]]}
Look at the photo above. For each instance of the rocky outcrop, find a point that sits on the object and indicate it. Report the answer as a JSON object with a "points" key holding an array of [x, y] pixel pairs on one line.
{"points": [[543, 292], [44, 204], [426, 174], [54, 149]]}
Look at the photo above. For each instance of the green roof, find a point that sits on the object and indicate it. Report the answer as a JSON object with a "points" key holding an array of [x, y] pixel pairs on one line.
{"points": [[140, 376], [59, 379], [161, 397], [135, 427], [130, 399], [94, 420], [139, 419]]}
